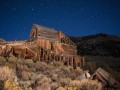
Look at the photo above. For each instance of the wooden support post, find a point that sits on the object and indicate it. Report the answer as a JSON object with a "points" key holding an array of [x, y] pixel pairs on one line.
{"points": [[38, 54], [67, 61], [11, 51], [49, 55], [63, 59], [57, 58], [54, 57], [60, 58], [80, 62], [72, 61], [24, 53], [43, 54], [75, 62]]}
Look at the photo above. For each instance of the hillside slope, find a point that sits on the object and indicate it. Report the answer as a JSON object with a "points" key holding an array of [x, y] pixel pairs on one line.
{"points": [[99, 44], [100, 47]]}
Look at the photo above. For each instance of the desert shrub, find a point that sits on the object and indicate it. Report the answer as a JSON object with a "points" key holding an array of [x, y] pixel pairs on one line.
{"points": [[2, 59], [25, 75], [65, 70], [22, 67], [8, 64], [54, 85], [1, 85], [74, 83], [78, 71], [29, 62], [54, 77], [60, 88], [36, 76], [71, 69], [44, 80], [57, 63], [43, 87], [6, 72], [73, 76], [40, 66], [86, 84], [50, 66], [25, 85], [32, 69], [12, 59], [61, 75], [9, 85], [72, 88], [65, 81], [20, 61]]}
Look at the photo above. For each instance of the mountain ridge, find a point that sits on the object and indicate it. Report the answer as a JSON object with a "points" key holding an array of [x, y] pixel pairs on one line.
{"points": [[99, 44]]}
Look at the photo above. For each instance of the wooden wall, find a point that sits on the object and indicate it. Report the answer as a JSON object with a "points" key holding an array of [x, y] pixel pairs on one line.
{"points": [[44, 44]]}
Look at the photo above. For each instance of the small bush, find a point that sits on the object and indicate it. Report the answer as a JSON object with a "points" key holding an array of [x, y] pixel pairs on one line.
{"points": [[12, 59], [8, 85], [25, 75], [25, 85], [8, 64], [43, 87], [6, 72], [50, 66], [65, 71], [74, 83], [86, 84], [60, 88], [73, 76], [57, 63], [40, 66], [54, 85], [72, 88], [55, 77], [19, 61], [65, 81], [22, 67], [44, 80], [2, 59], [78, 71], [29, 62], [1, 85]]}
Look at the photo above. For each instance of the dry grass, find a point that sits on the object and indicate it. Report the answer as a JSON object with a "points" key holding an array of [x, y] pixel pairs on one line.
{"points": [[6, 73], [86, 84]]}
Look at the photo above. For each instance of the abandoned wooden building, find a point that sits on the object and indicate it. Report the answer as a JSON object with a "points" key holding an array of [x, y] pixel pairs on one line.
{"points": [[44, 44]]}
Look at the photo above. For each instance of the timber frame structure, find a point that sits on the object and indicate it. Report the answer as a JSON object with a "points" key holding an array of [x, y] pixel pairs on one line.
{"points": [[45, 44]]}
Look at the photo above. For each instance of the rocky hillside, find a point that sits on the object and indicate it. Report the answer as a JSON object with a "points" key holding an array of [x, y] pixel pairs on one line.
{"points": [[99, 44], [100, 48]]}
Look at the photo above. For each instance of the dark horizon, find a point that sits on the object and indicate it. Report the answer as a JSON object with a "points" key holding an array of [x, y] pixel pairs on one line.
{"points": [[74, 18]]}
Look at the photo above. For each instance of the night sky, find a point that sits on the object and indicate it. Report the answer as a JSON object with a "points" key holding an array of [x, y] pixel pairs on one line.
{"points": [[73, 17]]}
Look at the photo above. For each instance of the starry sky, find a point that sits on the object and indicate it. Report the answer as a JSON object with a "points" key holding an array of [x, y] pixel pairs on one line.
{"points": [[73, 17]]}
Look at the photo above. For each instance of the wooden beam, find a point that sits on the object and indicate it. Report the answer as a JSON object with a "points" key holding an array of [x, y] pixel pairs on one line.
{"points": [[67, 61], [72, 61]]}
